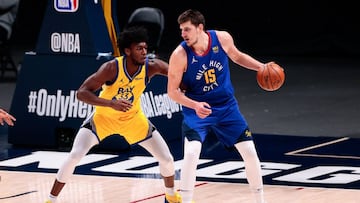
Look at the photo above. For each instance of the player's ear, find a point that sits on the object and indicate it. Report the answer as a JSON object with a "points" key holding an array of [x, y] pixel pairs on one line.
{"points": [[201, 26], [127, 51]]}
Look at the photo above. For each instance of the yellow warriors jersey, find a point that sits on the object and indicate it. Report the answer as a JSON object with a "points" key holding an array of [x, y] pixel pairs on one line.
{"points": [[133, 125]]}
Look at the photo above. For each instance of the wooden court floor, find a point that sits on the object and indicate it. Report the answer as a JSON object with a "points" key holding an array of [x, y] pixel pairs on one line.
{"points": [[33, 187]]}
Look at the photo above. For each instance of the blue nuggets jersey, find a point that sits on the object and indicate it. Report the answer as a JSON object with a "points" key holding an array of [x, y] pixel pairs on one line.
{"points": [[207, 77]]}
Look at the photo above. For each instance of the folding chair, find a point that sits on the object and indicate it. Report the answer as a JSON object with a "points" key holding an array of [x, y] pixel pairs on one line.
{"points": [[153, 20], [6, 60]]}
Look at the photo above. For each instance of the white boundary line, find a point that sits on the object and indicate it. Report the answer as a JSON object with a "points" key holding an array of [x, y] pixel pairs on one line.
{"points": [[297, 152]]}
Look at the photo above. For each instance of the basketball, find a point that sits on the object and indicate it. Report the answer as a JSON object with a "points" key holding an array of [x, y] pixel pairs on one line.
{"points": [[271, 77]]}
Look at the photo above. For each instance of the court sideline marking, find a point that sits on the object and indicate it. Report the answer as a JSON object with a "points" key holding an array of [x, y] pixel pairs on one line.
{"points": [[159, 195], [298, 152]]}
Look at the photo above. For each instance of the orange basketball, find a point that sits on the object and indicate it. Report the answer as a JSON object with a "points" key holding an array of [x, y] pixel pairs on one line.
{"points": [[271, 77]]}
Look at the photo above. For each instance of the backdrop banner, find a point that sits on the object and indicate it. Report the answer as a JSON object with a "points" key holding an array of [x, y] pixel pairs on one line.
{"points": [[44, 102]]}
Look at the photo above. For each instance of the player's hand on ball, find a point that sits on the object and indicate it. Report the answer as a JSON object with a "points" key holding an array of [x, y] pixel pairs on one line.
{"points": [[271, 77]]}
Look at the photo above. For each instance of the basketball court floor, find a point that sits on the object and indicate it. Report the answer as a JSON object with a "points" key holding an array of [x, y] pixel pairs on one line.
{"points": [[295, 169], [307, 135]]}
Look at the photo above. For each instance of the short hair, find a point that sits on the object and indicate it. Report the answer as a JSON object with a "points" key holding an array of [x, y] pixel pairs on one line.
{"points": [[130, 35], [194, 16]]}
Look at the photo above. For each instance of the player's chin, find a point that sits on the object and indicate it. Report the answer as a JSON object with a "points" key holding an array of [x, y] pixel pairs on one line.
{"points": [[141, 62]]}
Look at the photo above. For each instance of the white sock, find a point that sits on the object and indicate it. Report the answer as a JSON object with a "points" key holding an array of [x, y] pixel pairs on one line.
{"points": [[259, 195], [52, 198], [170, 191], [186, 196]]}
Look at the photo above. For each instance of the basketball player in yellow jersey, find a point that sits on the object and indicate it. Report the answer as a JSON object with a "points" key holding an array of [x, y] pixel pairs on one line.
{"points": [[118, 111]]}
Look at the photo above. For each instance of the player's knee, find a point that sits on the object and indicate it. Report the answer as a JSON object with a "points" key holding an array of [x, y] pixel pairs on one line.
{"points": [[193, 149], [192, 155], [167, 167], [167, 160], [247, 150]]}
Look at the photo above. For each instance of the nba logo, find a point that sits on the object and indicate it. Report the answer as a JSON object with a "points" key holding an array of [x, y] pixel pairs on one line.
{"points": [[66, 5]]}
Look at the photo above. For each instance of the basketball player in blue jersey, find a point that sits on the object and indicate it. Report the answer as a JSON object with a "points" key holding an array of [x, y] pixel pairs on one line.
{"points": [[199, 80], [118, 110]]}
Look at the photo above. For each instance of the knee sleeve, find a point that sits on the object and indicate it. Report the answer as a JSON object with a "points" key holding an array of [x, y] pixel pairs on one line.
{"points": [[83, 142], [252, 164], [158, 148], [192, 151]]}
